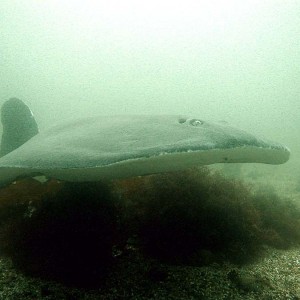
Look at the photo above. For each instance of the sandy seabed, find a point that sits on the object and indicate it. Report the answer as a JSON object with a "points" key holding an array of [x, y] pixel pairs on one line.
{"points": [[275, 276]]}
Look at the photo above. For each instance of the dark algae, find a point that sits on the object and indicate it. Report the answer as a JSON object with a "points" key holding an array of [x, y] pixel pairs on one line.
{"points": [[79, 234]]}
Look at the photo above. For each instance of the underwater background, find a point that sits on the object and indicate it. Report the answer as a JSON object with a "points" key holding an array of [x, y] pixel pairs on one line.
{"points": [[234, 61]]}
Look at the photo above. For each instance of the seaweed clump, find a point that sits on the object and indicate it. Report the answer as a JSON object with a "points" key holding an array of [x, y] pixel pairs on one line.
{"points": [[280, 218], [71, 232], [67, 236], [198, 216]]}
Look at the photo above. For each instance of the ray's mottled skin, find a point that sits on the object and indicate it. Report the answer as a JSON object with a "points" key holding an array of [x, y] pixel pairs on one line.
{"points": [[108, 147]]}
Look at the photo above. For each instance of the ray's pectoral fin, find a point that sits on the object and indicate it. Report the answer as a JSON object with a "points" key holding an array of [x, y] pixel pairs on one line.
{"points": [[18, 123]]}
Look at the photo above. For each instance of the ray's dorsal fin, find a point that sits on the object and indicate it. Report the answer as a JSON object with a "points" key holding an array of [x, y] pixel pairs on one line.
{"points": [[18, 123]]}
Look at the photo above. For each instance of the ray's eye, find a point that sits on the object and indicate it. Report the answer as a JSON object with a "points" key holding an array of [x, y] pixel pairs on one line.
{"points": [[196, 122], [181, 120]]}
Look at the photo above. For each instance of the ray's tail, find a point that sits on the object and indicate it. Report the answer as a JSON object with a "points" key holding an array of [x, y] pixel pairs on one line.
{"points": [[18, 123]]}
